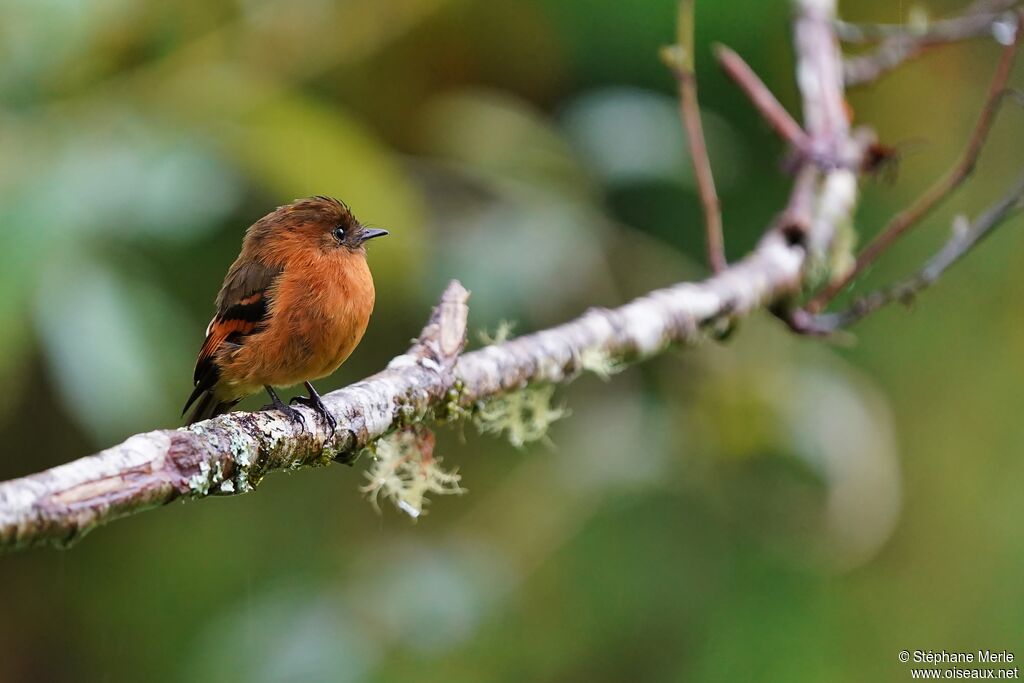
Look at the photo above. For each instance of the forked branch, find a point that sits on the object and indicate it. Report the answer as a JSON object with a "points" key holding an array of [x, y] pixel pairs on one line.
{"points": [[966, 236], [938, 192], [899, 43], [435, 380]]}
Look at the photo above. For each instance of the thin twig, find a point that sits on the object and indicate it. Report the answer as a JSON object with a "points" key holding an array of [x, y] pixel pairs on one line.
{"points": [[781, 121], [974, 22], [965, 237], [900, 43], [938, 192], [679, 58]]}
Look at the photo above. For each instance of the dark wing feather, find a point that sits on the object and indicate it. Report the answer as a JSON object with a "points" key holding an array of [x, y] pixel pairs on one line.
{"points": [[243, 281], [242, 306]]}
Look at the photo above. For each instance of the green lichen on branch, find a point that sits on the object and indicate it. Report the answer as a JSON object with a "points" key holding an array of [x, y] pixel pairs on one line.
{"points": [[404, 470], [601, 363], [249, 460], [452, 409], [210, 479], [203, 481], [522, 416], [502, 333]]}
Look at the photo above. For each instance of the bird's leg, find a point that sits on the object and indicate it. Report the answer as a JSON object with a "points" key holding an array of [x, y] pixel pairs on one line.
{"points": [[277, 404], [316, 403]]}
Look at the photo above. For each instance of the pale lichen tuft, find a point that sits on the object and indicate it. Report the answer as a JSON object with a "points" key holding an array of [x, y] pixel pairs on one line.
{"points": [[404, 470], [524, 416], [452, 410], [203, 481], [501, 334], [601, 363], [242, 465]]}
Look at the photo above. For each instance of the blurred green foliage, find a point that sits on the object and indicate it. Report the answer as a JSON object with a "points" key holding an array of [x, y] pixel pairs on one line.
{"points": [[769, 509]]}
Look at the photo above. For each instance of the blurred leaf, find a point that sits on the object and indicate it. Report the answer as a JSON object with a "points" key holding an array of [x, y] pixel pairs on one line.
{"points": [[24, 248], [298, 634], [114, 347], [427, 597], [36, 38], [88, 179], [525, 257], [15, 349], [505, 140], [530, 240], [760, 405], [631, 135], [105, 171], [613, 41]]}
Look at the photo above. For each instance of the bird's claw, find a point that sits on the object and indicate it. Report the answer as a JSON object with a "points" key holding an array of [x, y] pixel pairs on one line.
{"points": [[318, 406], [293, 415]]}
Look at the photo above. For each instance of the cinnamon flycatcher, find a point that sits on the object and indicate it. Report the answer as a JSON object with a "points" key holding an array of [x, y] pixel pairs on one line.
{"points": [[293, 306]]}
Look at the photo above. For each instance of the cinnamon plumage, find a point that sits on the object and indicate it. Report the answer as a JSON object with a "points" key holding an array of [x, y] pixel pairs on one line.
{"points": [[294, 305]]}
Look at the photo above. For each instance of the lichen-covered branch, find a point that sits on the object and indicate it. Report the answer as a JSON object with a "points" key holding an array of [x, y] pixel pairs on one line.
{"points": [[231, 454], [434, 380]]}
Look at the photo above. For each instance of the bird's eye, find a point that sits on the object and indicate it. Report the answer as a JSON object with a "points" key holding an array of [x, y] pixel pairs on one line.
{"points": [[339, 234]]}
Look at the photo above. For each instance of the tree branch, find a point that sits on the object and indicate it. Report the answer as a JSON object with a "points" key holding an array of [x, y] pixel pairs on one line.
{"points": [[938, 192], [230, 455], [900, 43], [831, 147], [965, 237], [976, 21]]}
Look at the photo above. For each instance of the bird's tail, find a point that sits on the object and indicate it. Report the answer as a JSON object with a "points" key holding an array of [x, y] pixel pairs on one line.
{"points": [[207, 407]]}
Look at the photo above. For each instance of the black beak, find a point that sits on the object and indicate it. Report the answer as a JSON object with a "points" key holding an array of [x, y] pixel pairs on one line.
{"points": [[370, 233]]}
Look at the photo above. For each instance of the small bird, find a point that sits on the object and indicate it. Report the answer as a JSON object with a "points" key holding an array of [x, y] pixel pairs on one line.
{"points": [[294, 305]]}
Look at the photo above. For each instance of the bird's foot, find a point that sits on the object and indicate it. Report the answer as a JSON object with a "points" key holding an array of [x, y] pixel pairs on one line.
{"points": [[293, 415], [313, 401]]}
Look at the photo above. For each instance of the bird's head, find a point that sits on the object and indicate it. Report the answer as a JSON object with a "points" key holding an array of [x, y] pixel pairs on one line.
{"points": [[322, 222]]}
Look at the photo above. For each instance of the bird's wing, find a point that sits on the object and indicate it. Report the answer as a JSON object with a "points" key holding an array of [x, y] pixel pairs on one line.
{"points": [[242, 307]]}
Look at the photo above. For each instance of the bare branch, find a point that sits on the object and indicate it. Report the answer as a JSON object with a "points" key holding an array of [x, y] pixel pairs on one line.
{"points": [[444, 335], [900, 43], [679, 58], [761, 97], [825, 193], [796, 219], [819, 73], [831, 146], [965, 237], [938, 192], [976, 21]]}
